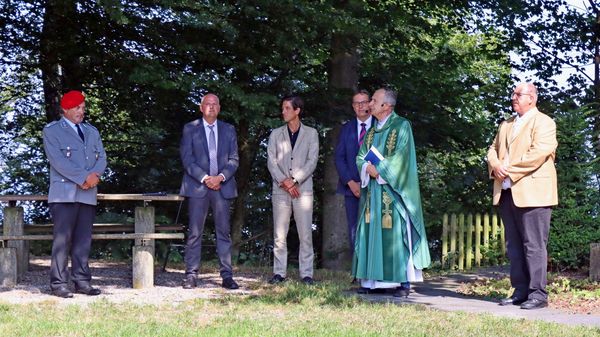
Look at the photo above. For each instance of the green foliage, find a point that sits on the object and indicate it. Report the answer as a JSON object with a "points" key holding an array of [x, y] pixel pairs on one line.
{"points": [[492, 254], [574, 220]]}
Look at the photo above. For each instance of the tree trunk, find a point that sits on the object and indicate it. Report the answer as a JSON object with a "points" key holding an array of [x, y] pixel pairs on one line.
{"points": [[342, 82], [58, 50], [247, 149]]}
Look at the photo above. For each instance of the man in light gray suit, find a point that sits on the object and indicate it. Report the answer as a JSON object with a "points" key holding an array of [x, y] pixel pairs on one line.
{"points": [[77, 161], [293, 152], [209, 153]]}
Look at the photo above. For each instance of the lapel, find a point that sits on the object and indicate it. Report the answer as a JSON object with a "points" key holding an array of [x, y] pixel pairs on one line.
{"points": [[506, 132], [526, 126], [287, 143], [222, 137], [300, 139], [202, 135], [353, 133]]}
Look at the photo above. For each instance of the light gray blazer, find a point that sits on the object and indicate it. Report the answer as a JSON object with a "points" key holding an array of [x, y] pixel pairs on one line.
{"points": [[300, 163], [72, 160]]}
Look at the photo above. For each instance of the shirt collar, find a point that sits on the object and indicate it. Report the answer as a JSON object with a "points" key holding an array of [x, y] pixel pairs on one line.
{"points": [[381, 123], [71, 124], [367, 121], [526, 115], [206, 123]]}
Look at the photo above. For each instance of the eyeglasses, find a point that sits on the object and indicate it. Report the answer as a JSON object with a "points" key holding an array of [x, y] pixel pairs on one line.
{"points": [[360, 103], [519, 94]]}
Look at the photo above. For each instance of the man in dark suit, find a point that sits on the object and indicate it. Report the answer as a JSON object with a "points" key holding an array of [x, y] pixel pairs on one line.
{"points": [[210, 159], [77, 160], [349, 141]]}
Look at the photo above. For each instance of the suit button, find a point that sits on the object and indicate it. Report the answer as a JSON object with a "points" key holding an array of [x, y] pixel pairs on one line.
{"points": [[292, 158], [62, 180], [290, 169]]}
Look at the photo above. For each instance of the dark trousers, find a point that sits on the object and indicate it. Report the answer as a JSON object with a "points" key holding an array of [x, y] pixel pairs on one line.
{"points": [[526, 231], [351, 203], [72, 236], [198, 210]]}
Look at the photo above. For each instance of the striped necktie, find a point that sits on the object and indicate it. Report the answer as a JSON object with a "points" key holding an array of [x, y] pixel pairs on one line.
{"points": [[363, 131]]}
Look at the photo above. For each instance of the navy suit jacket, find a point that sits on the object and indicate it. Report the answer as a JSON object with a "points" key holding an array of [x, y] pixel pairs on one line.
{"points": [[345, 156], [194, 155]]}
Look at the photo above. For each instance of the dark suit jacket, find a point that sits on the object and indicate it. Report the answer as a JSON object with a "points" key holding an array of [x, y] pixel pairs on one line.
{"points": [[194, 155], [345, 156]]}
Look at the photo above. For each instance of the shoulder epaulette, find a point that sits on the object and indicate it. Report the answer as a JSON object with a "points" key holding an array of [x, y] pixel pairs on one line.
{"points": [[90, 126], [51, 123]]}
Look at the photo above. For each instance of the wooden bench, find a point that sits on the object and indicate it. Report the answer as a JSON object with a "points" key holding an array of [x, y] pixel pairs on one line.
{"points": [[14, 250]]}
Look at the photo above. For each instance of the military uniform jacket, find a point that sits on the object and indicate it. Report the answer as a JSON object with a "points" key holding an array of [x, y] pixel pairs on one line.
{"points": [[72, 160]]}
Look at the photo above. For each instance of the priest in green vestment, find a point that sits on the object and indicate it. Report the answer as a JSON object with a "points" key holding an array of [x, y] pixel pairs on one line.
{"points": [[391, 247]]}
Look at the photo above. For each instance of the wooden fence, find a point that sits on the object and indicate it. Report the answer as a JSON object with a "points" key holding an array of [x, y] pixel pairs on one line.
{"points": [[464, 237]]}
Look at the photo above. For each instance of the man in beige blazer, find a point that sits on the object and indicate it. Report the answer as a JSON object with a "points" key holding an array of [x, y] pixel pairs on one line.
{"points": [[521, 162], [293, 152]]}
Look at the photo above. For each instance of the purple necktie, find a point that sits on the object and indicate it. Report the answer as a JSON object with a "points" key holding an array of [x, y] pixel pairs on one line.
{"points": [[363, 131]]}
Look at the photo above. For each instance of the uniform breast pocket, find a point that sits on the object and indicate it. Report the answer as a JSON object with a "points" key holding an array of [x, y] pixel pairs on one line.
{"points": [[69, 151]]}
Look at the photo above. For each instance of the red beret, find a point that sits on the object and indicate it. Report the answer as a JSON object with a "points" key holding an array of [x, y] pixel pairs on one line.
{"points": [[71, 99]]}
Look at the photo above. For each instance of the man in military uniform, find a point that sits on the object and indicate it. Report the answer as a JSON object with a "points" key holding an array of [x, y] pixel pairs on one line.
{"points": [[77, 160]]}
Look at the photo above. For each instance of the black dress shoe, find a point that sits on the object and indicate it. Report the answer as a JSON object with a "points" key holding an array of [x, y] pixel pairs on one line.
{"points": [[276, 279], [512, 301], [534, 303], [229, 283], [401, 292], [308, 280], [87, 290], [189, 282], [63, 292]]}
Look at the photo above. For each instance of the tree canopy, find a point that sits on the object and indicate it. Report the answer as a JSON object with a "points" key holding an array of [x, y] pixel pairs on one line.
{"points": [[144, 65]]}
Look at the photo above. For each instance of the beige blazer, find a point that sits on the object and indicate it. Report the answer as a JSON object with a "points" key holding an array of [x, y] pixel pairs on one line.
{"points": [[531, 160], [300, 163]]}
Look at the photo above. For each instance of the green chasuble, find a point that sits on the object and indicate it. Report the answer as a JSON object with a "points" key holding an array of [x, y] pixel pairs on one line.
{"points": [[381, 250]]}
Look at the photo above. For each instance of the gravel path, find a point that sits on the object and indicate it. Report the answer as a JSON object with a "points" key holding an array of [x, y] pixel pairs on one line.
{"points": [[114, 279]]}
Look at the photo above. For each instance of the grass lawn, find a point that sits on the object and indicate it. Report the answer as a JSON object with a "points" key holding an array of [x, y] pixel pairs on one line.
{"points": [[291, 309]]}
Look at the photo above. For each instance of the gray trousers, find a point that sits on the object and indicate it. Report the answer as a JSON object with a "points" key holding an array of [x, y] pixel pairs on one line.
{"points": [[72, 236], [526, 231], [198, 210], [302, 209]]}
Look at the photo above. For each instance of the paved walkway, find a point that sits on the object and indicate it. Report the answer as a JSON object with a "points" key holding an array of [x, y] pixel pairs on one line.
{"points": [[441, 293]]}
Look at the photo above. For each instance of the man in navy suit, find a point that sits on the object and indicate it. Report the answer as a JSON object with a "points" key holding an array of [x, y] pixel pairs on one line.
{"points": [[350, 139], [210, 159]]}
